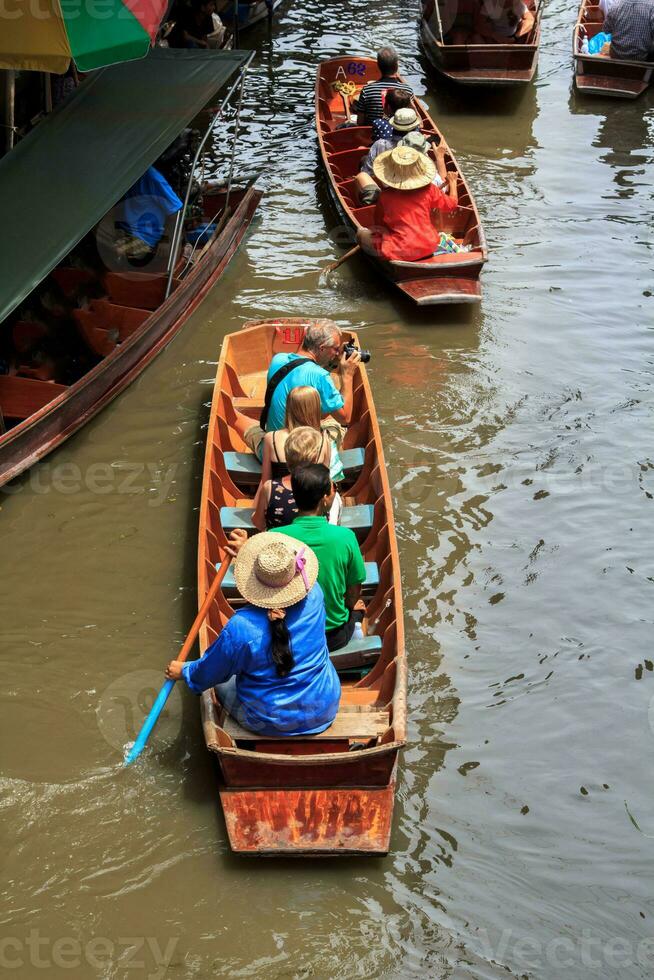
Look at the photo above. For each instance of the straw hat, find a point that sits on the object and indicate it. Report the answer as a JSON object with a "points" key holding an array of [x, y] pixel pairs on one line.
{"points": [[274, 571], [404, 168], [405, 120]]}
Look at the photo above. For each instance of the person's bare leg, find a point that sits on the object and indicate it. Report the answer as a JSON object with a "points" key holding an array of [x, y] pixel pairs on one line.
{"points": [[364, 182], [242, 423]]}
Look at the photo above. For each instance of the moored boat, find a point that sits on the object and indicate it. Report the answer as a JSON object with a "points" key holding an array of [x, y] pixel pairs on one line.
{"points": [[333, 793], [599, 75], [452, 278], [115, 313], [490, 64]]}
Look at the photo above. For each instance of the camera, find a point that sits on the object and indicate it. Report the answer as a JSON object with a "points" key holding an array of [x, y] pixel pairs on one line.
{"points": [[352, 348]]}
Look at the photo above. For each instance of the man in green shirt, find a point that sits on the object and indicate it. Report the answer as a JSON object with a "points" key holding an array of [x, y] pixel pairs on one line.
{"points": [[342, 569]]}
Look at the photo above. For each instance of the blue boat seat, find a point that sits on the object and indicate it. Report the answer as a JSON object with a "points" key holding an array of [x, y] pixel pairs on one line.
{"points": [[359, 518], [245, 468], [357, 653], [368, 587]]}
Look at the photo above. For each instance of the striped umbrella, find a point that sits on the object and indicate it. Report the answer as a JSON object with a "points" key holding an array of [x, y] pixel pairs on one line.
{"points": [[44, 35]]}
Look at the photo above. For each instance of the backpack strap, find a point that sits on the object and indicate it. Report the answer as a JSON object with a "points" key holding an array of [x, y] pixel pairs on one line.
{"points": [[276, 379]]}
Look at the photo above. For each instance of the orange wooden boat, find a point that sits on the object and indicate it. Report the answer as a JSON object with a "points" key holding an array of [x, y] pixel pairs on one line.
{"points": [[597, 75], [450, 278], [497, 65], [333, 793]]}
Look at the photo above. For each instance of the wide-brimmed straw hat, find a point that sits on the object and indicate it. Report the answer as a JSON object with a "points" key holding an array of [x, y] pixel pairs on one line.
{"points": [[274, 571], [404, 168], [405, 120]]}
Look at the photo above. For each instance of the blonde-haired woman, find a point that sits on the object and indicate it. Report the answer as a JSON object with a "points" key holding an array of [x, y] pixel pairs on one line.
{"points": [[274, 504], [302, 410]]}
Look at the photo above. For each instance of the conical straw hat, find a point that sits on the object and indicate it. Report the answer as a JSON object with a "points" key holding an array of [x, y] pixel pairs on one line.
{"points": [[404, 168], [275, 570]]}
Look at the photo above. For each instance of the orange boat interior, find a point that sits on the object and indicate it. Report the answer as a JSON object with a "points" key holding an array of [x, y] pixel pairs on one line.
{"points": [[370, 671]]}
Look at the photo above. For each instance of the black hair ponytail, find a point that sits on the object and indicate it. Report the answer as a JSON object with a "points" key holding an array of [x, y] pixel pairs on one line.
{"points": [[281, 643]]}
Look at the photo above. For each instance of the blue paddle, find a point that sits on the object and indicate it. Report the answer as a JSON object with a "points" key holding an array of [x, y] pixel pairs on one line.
{"points": [[164, 693]]}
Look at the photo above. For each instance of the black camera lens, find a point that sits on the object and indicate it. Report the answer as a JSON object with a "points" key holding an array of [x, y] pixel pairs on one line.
{"points": [[351, 348]]}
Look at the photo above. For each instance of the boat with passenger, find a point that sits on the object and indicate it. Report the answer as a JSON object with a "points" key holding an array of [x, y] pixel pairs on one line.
{"points": [[443, 278], [331, 793], [451, 39], [597, 74]]}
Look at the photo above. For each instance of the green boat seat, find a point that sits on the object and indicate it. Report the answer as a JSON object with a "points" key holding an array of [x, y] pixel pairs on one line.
{"points": [[358, 517], [245, 468], [357, 653], [368, 587]]}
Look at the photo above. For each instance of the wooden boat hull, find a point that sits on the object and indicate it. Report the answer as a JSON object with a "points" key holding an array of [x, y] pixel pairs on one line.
{"points": [[443, 279], [492, 65], [306, 796], [309, 823], [596, 75], [48, 428]]}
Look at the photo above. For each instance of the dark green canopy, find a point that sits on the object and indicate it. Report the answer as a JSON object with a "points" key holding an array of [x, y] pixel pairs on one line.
{"points": [[78, 162]]}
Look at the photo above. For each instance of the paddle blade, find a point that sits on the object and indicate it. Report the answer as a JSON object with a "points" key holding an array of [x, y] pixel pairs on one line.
{"points": [[149, 723]]}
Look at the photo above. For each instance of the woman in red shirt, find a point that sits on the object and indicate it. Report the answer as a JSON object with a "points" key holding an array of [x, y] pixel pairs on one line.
{"points": [[403, 228]]}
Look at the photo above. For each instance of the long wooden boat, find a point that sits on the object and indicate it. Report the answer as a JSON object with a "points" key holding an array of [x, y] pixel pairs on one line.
{"points": [[450, 278], [492, 64], [333, 793], [124, 326], [597, 75]]}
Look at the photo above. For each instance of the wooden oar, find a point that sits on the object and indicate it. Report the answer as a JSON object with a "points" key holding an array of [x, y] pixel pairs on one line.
{"points": [[330, 268], [164, 693]]}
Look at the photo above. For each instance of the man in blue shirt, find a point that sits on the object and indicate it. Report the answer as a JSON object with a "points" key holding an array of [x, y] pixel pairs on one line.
{"points": [[322, 349]]}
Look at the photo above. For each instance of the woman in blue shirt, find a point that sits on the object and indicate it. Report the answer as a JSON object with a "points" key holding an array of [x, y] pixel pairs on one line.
{"points": [[270, 663]]}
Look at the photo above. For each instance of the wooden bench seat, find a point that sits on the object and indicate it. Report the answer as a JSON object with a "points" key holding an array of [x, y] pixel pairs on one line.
{"points": [[21, 397], [245, 468], [101, 340], [136, 289], [358, 517], [352, 722], [125, 319], [103, 324]]}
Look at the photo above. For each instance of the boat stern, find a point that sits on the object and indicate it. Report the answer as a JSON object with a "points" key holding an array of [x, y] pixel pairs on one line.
{"points": [[434, 292], [309, 822]]}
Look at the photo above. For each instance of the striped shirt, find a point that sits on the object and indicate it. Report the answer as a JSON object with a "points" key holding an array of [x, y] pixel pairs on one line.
{"points": [[371, 99], [631, 25]]}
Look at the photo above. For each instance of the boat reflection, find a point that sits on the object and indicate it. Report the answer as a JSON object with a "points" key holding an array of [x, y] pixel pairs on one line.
{"points": [[625, 131]]}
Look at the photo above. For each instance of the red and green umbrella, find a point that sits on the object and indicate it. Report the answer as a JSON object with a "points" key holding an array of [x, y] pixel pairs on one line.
{"points": [[45, 36]]}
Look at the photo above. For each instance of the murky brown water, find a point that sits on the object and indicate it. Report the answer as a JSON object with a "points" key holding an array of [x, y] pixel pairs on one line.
{"points": [[519, 441]]}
